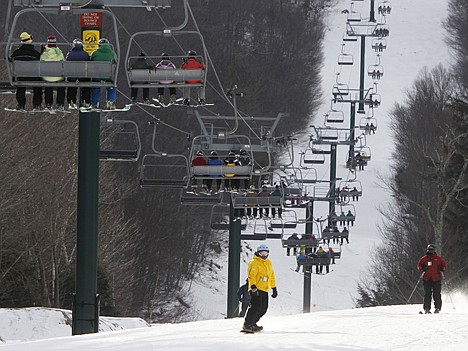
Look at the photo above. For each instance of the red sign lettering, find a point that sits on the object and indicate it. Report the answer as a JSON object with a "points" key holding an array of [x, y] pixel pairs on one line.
{"points": [[91, 19]]}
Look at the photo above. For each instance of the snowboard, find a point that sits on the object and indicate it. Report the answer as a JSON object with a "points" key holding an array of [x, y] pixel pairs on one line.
{"points": [[180, 102], [247, 331]]}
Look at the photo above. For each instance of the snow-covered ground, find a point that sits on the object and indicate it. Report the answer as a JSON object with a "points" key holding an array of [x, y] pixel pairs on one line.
{"points": [[416, 40], [35, 323], [389, 328]]}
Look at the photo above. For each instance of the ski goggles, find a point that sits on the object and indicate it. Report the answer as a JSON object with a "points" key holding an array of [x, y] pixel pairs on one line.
{"points": [[263, 254]]}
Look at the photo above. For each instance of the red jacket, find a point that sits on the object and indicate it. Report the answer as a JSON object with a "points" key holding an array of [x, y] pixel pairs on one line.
{"points": [[199, 161], [434, 264], [192, 63]]}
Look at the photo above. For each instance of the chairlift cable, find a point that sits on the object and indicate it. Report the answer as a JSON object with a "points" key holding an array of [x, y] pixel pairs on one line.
{"points": [[216, 74], [53, 27]]}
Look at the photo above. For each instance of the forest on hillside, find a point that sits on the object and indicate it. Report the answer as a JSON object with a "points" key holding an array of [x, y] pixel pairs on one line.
{"points": [[149, 244], [429, 181]]}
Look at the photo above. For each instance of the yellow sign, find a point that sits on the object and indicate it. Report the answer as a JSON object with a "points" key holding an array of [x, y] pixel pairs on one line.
{"points": [[90, 40]]}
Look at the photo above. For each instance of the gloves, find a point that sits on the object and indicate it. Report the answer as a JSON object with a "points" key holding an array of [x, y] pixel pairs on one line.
{"points": [[275, 293], [424, 268], [253, 290], [441, 268]]}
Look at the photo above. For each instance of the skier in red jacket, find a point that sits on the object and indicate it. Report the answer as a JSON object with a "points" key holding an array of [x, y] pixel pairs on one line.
{"points": [[191, 62], [433, 267]]}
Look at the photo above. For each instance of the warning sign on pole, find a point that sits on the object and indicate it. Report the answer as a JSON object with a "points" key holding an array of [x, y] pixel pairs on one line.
{"points": [[91, 19], [90, 24]]}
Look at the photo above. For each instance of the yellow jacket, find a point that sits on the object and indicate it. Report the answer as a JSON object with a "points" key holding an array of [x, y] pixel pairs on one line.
{"points": [[261, 274]]}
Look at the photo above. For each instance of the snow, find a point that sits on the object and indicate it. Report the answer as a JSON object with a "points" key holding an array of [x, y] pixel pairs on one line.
{"points": [[416, 40], [35, 323], [378, 328]]}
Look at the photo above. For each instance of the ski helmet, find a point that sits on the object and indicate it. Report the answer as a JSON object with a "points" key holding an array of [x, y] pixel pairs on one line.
{"points": [[192, 53], [214, 153], [431, 247], [103, 41], [262, 247], [77, 42]]}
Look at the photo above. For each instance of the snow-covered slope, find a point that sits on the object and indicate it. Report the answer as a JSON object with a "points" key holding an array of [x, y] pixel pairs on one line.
{"points": [[381, 328], [35, 323]]}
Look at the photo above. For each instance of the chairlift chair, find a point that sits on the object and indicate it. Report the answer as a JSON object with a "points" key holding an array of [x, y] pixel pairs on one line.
{"points": [[164, 170], [334, 116], [305, 176], [368, 125], [241, 202], [375, 100], [384, 8], [260, 230], [346, 213], [219, 218], [189, 197], [345, 59], [339, 90], [381, 30], [319, 151], [305, 241], [288, 220], [365, 152], [151, 77], [327, 134], [222, 147], [309, 157], [353, 16], [379, 44], [348, 37], [375, 71], [120, 140], [29, 73], [347, 189]]}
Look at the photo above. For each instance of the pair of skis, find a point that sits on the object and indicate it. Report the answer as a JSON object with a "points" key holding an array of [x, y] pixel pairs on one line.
{"points": [[179, 102], [46, 110]]}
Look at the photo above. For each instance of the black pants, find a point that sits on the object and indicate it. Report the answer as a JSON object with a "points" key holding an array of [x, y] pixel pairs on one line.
{"points": [[432, 289], [258, 307], [49, 96], [172, 91], [134, 93], [21, 96], [85, 95], [209, 183]]}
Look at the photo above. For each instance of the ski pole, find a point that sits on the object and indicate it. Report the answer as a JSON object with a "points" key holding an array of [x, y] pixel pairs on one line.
{"points": [[417, 283], [448, 290]]}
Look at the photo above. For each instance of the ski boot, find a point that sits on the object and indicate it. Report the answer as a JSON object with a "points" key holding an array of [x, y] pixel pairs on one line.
{"points": [[427, 311], [437, 310], [257, 328], [172, 99], [187, 102], [110, 105], [161, 99], [247, 328]]}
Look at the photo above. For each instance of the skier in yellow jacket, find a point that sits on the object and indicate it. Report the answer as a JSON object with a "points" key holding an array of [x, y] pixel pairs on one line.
{"points": [[261, 279]]}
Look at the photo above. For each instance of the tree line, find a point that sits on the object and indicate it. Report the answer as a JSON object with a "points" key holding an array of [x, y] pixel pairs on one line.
{"points": [[429, 180]]}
